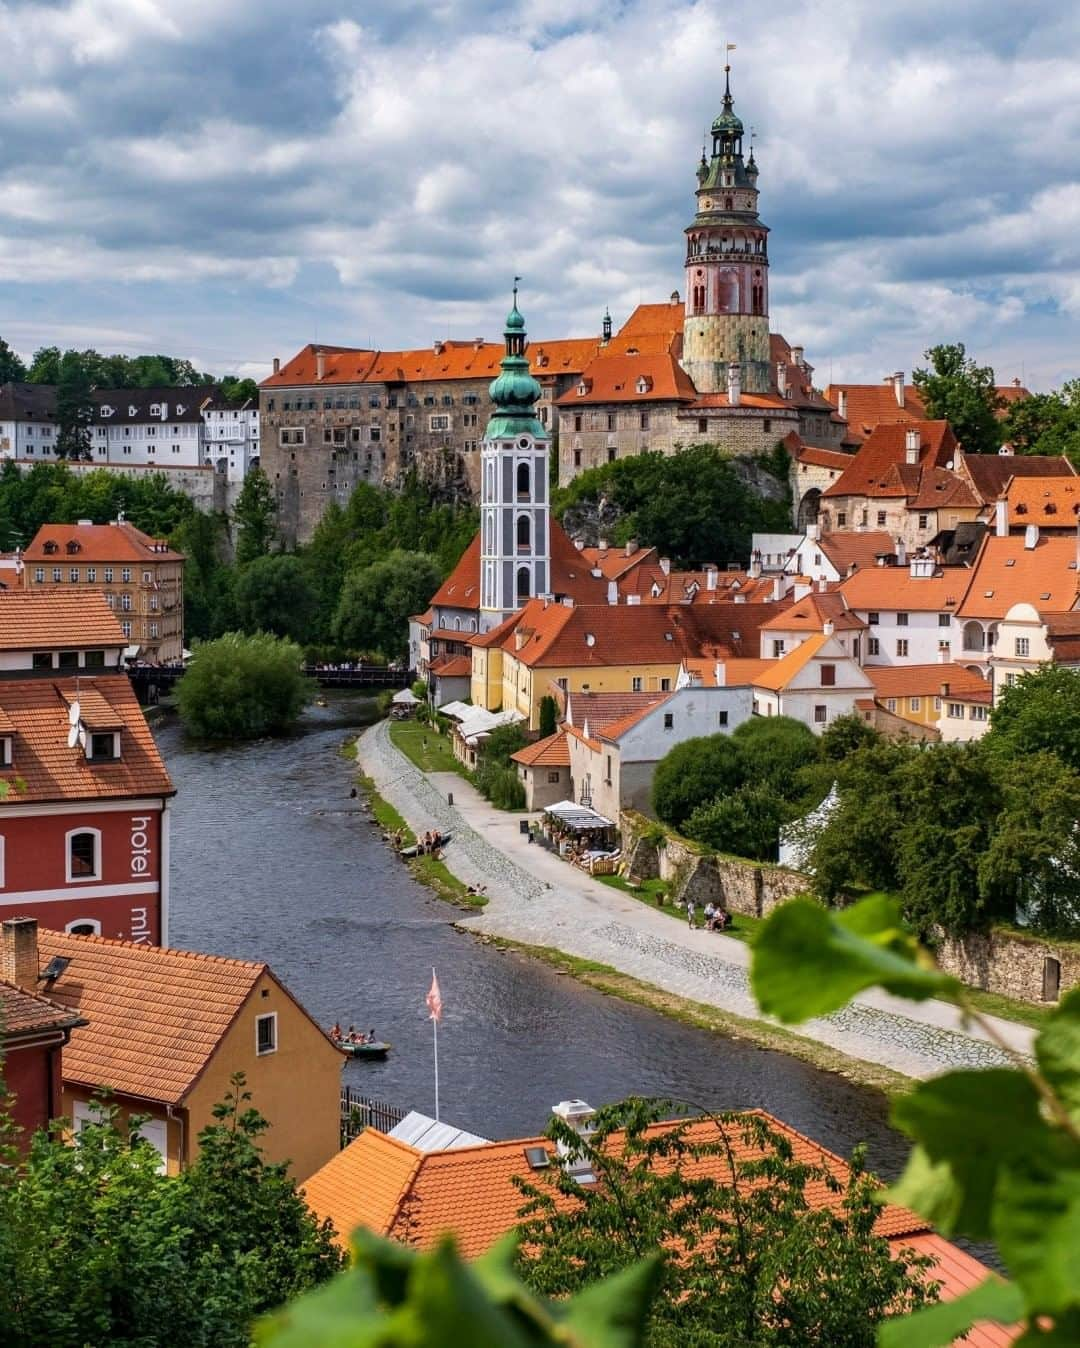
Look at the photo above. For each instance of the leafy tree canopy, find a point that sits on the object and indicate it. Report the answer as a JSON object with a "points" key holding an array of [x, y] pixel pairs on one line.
{"points": [[694, 505], [115, 371], [957, 390], [695, 773], [242, 687], [1040, 711], [12, 369], [254, 517], [74, 410], [378, 599], [272, 594], [1046, 423]]}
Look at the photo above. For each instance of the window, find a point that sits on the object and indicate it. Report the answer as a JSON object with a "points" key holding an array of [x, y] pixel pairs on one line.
{"points": [[103, 745], [553, 778], [828, 676], [944, 619], [914, 703], [890, 704], [577, 458], [577, 421], [923, 521], [637, 684], [108, 575], [873, 646], [153, 629], [439, 423], [873, 618], [669, 720], [902, 647], [94, 659], [777, 649], [56, 575], [125, 574], [5, 756], [84, 926], [125, 602], [1023, 646], [841, 518], [978, 713], [644, 421], [73, 575], [665, 685], [91, 575], [42, 660], [881, 519], [607, 777], [67, 660], [821, 714], [523, 480], [125, 627], [1010, 680], [901, 620], [955, 710], [39, 574], [266, 1034], [702, 425], [83, 854]]}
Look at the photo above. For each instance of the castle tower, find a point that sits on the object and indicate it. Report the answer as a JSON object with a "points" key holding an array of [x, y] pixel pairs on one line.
{"points": [[727, 267], [515, 553]]}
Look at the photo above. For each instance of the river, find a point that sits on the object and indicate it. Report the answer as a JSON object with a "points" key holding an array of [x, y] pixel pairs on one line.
{"points": [[272, 860]]}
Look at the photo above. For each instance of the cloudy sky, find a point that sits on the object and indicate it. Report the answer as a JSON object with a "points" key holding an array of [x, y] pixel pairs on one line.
{"points": [[229, 179]]}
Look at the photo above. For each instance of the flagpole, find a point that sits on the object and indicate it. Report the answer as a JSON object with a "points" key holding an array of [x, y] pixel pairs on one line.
{"points": [[435, 1032]]}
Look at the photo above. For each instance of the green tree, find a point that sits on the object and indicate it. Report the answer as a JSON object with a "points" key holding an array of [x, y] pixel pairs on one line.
{"points": [[745, 1258], [957, 390], [243, 687], [45, 365], [1041, 711], [239, 391], [844, 735], [777, 750], [997, 1151], [549, 715], [98, 1247], [1046, 423], [746, 822], [695, 773], [272, 594], [74, 409], [254, 517], [377, 601], [202, 537], [12, 369]]}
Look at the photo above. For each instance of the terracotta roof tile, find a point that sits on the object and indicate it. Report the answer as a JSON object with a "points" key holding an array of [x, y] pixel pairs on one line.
{"points": [[1049, 502], [1007, 573], [667, 316], [845, 550], [872, 471], [871, 405], [821, 458], [97, 543], [599, 710], [614, 379], [55, 619], [894, 587], [570, 575], [461, 588], [23, 1013], [365, 1185], [769, 401], [811, 614], [614, 730], [452, 666], [924, 680], [155, 1016], [550, 752], [614, 563], [990, 473], [44, 768]]}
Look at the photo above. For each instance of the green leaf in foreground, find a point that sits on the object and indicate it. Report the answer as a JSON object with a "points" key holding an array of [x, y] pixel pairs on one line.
{"points": [[810, 960], [1058, 1052], [1037, 1227], [970, 1127], [940, 1325]]}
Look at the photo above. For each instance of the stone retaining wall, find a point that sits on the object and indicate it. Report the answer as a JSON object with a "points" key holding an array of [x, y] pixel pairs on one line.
{"points": [[747, 887], [1011, 965]]}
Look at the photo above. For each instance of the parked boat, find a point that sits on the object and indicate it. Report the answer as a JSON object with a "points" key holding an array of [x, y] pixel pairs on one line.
{"points": [[414, 851], [374, 1048]]}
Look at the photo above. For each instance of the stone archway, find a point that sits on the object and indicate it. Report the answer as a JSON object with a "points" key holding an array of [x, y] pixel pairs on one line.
{"points": [[809, 507]]}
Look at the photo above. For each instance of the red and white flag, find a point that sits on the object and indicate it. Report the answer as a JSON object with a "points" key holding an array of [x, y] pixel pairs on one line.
{"points": [[434, 998]]}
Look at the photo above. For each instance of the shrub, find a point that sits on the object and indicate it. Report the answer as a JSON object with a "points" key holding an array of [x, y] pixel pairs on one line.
{"points": [[694, 773], [242, 687], [746, 823], [501, 786]]}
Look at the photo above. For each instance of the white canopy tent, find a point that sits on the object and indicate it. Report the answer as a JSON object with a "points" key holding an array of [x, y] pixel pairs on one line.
{"points": [[406, 698]]}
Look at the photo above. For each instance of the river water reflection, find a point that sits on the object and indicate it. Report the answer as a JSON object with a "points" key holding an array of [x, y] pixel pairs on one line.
{"points": [[272, 860]]}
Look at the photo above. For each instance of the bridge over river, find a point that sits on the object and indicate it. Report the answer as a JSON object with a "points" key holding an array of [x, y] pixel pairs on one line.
{"points": [[150, 681]]}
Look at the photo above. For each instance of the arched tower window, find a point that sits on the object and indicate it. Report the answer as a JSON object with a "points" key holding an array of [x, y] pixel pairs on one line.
{"points": [[524, 531], [729, 204], [523, 480], [523, 582], [698, 299]]}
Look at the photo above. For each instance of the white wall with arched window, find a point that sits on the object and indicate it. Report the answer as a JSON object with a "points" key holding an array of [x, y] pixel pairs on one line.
{"points": [[82, 854], [523, 531], [523, 480], [84, 926]]}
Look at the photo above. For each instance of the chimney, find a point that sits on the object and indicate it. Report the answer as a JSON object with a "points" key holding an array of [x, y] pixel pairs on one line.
{"points": [[579, 543], [822, 584], [320, 364], [613, 591], [478, 344], [841, 403], [711, 572], [665, 565], [601, 543], [901, 552], [777, 589], [1001, 518], [437, 347], [631, 547], [898, 387], [755, 565], [781, 378], [85, 524], [1031, 536], [578, 1116], [829, 628], [813, 532], [19, 952], [277, 364], [739, 599], [911, 445], [734, 383]]}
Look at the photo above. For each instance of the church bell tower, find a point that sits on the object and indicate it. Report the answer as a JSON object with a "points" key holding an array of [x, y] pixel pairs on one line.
{"points": [[515, 549], [727, 268]]}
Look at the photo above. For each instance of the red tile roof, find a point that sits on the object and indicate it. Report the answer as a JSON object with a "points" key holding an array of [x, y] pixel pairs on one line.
{"points": [[845, 550], [1007, 573], [156, 1016], [550, 752], [615, 379], [924, 680], [1049, 502], [461, 588], [614, 563], [599, 710], [813, 612], [24, 1013], [876, 469], [44, 768], [452, 666], [615, 730], [871, 405], [894, 587], [98, 543], [821, 458], [48, 619], [665, 317], [989, 474], [570, 575]]}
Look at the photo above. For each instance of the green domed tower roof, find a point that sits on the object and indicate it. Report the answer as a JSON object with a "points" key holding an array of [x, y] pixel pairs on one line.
{"points": [[514, 391]]}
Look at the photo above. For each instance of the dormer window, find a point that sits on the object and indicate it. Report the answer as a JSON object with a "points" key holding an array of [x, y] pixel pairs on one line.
{"points": [[103, 746], [50, 547], [132, 410], [644, 384], [584, 387], [155, 410], [106, 410], [74, 546], [5, 751], [180, 409]]}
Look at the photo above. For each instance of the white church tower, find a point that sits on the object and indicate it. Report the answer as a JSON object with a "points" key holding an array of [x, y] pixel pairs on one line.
{"points": [[515, 546]]}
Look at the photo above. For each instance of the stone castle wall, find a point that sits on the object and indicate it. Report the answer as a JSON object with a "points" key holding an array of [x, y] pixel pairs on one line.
{"points": [[711, 341], [1008, 963]]}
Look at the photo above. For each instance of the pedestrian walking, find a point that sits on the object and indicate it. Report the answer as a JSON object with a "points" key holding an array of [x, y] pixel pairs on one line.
{"points": [[690, 911]]}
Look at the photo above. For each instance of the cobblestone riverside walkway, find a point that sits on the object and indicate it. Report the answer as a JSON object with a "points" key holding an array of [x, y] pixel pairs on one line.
{"points": [[537, 899]]}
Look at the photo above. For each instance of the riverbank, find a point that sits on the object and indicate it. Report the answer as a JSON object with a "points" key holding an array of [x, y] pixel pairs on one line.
{"points": [[540, 903]]}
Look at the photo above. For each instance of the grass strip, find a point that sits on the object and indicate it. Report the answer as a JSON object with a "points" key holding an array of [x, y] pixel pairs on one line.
{"points": [[765, 1035], [1008, 1008]]}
